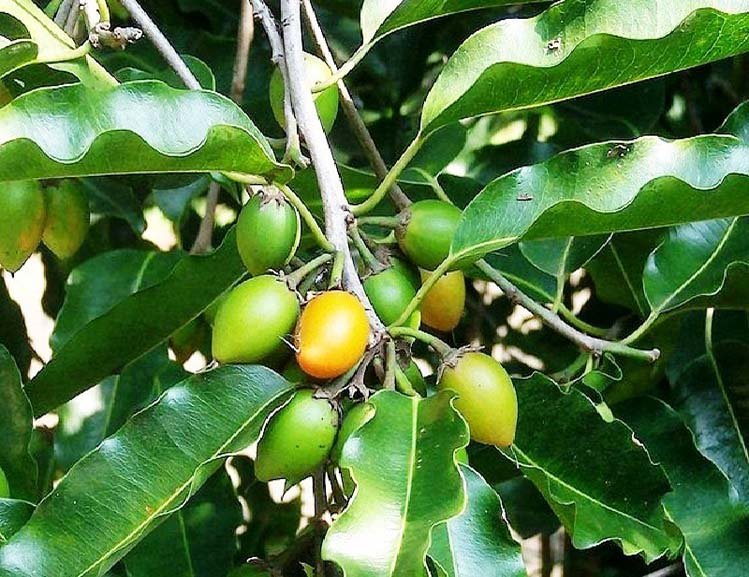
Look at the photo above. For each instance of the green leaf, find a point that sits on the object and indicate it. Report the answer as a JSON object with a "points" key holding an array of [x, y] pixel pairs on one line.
{"points": [[13, 515], [712, 394], [378, 18], [73, 130], [110, 197], [715, 527], [610, 187], [695, 260], [197, 541], [403, 462], [101, 283], [477, 542], [511, 262], [13, 333], [600, 483], [152, 314], [16, 425], [15, 55], [579, 47], [116, 495]]}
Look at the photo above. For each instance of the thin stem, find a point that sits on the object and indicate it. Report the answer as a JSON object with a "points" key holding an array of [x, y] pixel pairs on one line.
{"points": [[369, 259], [390, 179], [642, 329], [578, 323], [245, 35], [303, 271], [203, 240], [423, 291], [308, 217], [361, 132], [437, 344], [58, 10], [390, 364], [335, 487], [383, 221], [343, 71], [160, 42], [586, 343], [321, 506], [439, 192], [337, 272], [403, 384], [335, 205]]}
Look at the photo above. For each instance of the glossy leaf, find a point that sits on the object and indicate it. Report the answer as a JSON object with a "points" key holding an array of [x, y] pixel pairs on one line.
{"points": [[153, 314], [477, 542], [13, 516], [579, 47], [116, 495], [696, 260], [16, 425], [598, 481], [611, 187], [16, 54], [197, 541], [715, 527], [72, 130], [109, 197], [512, 263], [402, 461]]}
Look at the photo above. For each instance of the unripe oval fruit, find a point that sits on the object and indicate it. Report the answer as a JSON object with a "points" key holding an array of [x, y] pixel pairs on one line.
{"points": [[253, 320], [486, 398], [390, 292], [68, 218], [427, 232], [442, 307], [22, 217], [268, 233], [326, 102], [297, 440], [332, 334], [4, 487]]}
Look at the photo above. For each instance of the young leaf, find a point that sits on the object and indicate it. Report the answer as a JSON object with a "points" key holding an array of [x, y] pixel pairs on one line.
{"points": [[403, 462], [572, 464], [580, 47], [610, 187], [715, 527], [117, 494], [197, 541], [477, 542], [73, 130], [153, 314], [16, 425], [695, 260], [13, 516]]}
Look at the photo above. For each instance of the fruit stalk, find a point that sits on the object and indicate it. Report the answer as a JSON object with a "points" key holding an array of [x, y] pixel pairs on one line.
{"points": [[335, 204]]}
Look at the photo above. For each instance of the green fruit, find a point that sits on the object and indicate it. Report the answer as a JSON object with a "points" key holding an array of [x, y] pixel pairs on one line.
{"points": [[22, 216], [390, 292], [253, 321], [188, 339], [427, 232], [486, 398], [354, 420], [212, 310], [4, 487], [68, 218], [268, 232], [417, 380], [297, 440], [326, 102]]}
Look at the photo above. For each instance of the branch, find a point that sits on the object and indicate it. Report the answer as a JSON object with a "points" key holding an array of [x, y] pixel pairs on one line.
{"points": [[160, 42], [244, 42], [293, 146], [589, 344], [360, 129], [335, 205]]}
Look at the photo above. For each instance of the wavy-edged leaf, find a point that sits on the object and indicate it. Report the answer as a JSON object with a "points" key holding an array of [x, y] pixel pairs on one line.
{"points": [[610, 187], [712, 394], [117, 494], [13, 516], [153, 314], [379, 18], [403, 462], [101, 283], [715, 528], [579, 47], [15, 55], [695, 260], [50, 44], [197, 541], [477, 542], [135, 128], [16, 425], [598, 481]]}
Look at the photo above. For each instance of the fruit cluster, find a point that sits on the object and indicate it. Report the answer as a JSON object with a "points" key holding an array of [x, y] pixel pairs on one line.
{"points": [[277, 311]]}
